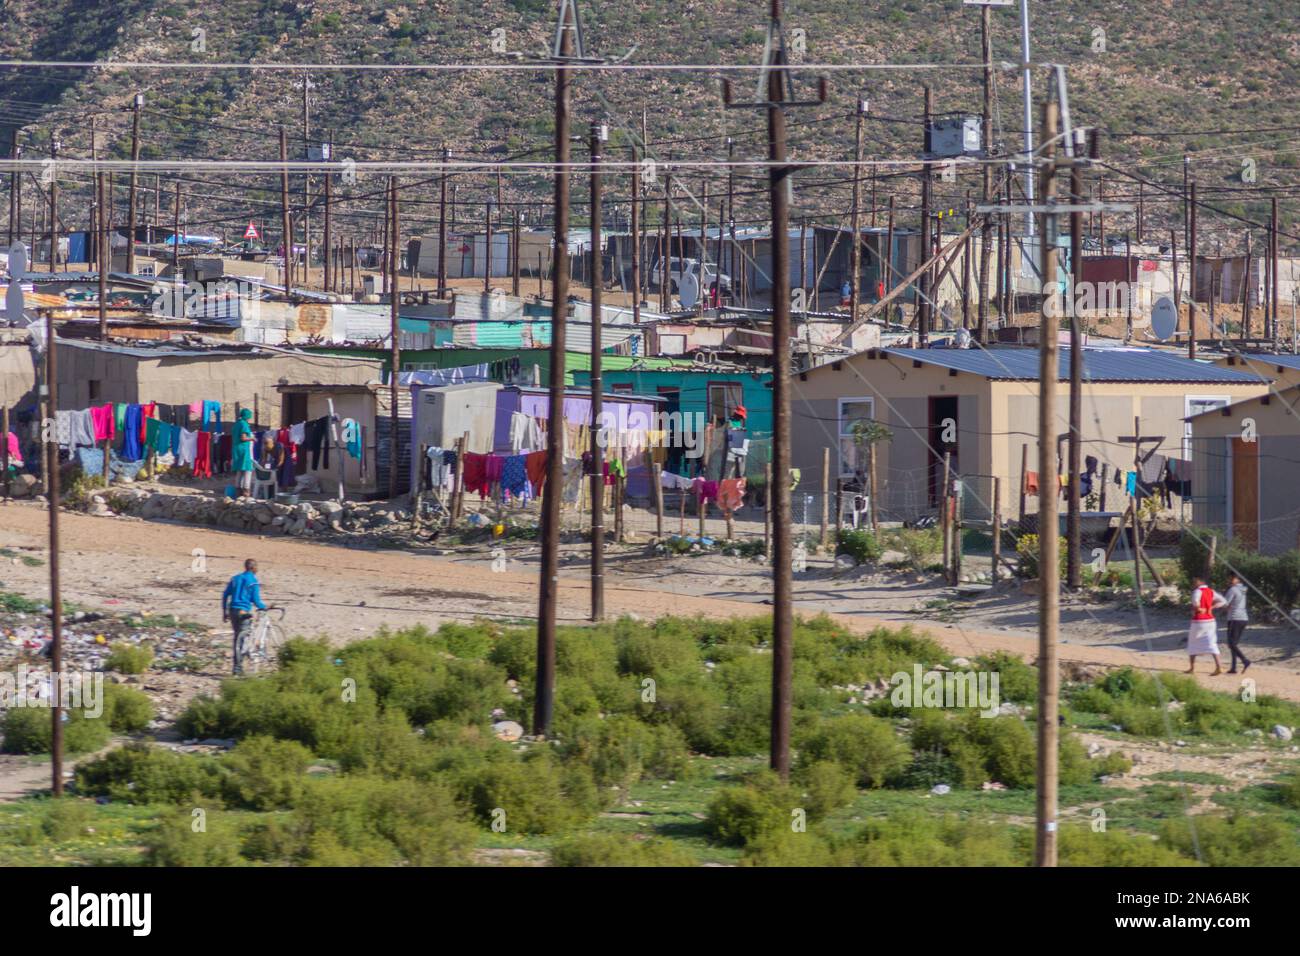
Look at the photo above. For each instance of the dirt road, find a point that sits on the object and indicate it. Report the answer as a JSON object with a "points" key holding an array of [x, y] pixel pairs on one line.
{"points": [[123, 563]]}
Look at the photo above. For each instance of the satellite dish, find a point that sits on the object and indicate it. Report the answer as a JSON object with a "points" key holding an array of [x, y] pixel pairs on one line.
{"points": [[17, 272], [1164, 318]]}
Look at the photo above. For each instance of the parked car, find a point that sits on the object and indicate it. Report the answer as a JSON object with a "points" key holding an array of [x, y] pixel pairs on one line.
{"points": [[692, 267]]}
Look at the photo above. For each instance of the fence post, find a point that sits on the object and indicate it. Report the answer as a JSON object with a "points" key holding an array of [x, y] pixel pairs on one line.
{"points": [[997, 526], [458, 489], [656, 473], [1024, 481], [871, 491], [826, 495], [767, 511]]}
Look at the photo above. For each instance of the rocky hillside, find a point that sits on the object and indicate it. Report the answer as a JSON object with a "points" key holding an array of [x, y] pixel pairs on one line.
{"points": [[1174, 78]]}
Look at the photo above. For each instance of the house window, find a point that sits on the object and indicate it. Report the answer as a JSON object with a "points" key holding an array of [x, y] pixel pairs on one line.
{"points": [[853, 457], [1195, 405], [622, 387], [723, 397]]}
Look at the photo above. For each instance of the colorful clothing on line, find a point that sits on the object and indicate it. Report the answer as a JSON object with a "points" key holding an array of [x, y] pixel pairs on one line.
{"points": [[211, 414], [188, 444], [147, 411], [705, 490], [132, 445], [514, 476], [673, 482], [352, 437], [535, 468], [731, 494], [101, 417], [119, 416], [203, 455], [1130, 482], [1031, 482], [474, 478], [15, 450]]}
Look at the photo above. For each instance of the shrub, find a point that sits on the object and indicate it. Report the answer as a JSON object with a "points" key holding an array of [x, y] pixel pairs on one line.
{"points": [[607, 849], [913, 839], [927, 769], [265, 774], [1112, 764], [1027, 548], [862, 545], [621, 750], [1234, 840], [67, 818], [126, 709], [142, 773], [175, 842], [536, 794], [864, 746], [1017, 681], [919, 545], [29, 730], [826, 787], [740, 816], [129, 658]]}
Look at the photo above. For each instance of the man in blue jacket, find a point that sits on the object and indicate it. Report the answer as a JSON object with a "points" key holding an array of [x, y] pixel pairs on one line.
{"points": [[242, 594]]}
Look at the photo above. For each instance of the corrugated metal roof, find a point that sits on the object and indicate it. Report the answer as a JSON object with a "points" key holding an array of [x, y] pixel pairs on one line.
{"points": [[1099, 365], [1253, 359]]}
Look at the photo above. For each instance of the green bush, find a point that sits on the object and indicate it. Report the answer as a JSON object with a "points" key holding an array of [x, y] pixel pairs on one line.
{"points": [[129, 658], [1112, 764], [1027, 548], [607, 849], [621, 750], [918, 545], [914, 839], [1017, 681], [862, 545], [141, 773], [865, 746], [740, 816], [67, 818], [126, 709], [175, 841], [1234, 840], [30, 730], [265, 774], [535, 794], [826, 787], [1274, 579]]}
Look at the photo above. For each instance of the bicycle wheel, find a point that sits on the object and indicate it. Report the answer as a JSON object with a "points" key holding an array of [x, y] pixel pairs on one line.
{"points": [[268, 651], [244, 647]]}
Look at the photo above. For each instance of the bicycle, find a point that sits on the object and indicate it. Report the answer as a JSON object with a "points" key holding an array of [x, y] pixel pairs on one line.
{"points": [[260, 640]]}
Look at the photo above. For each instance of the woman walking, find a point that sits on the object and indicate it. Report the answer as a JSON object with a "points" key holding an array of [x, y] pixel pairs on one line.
{"points": [[1202, 636], [1237, 620]]}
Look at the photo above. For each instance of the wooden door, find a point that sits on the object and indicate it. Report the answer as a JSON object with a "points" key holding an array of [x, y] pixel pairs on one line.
{"points": [[1245, 492]]}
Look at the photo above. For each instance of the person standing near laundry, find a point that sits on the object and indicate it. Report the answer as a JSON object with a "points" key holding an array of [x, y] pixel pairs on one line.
{"points": [[1202, 636], [1237, 621], [737, 444], [242, 458], [242, 594]]}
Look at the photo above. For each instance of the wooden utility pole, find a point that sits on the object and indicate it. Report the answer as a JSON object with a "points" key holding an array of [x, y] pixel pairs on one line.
{"points": [[514, 265], [1141, 211], [1074, 536], [331, 269], [487, 247], [544, 700], [104, 257], [442, 226], [1191, 275], [394, 334], [855, 276], [636, 240], [598, 135], [1048, 532], [285, 224], [923, 310], [889, 248], [56, 595], [136, 103], [665, 258], [986, 119], [733, 256], [176, 225], [1274, 255], [778, 83], [54, 205]]}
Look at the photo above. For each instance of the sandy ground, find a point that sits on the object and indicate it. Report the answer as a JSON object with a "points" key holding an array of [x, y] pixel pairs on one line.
{"points": [[346, 593]]}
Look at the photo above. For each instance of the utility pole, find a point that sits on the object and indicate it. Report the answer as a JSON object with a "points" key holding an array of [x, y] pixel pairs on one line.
{"points": [[442, 226], [15, 204], [56, 596], [854, 291], [394, 330], [636, 240], [176, 227], [665, 260], [1073, 525], [986, 127], [285, 224], [487, 246], [923, 316], [1275, 253], [780, 90], [599, 133], [54, 204], [514, 266], [1191, 275], [328, 240], [104, 257], [136, 103], [568, 31], [1140, 211], [306, 183], [731, 220], [1048, 532]]}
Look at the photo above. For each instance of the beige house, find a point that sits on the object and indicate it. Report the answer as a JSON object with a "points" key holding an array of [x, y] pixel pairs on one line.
{"points": [[1246, 467], [247, 376], [981, 407], [355, 403], [1283, 369]]}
